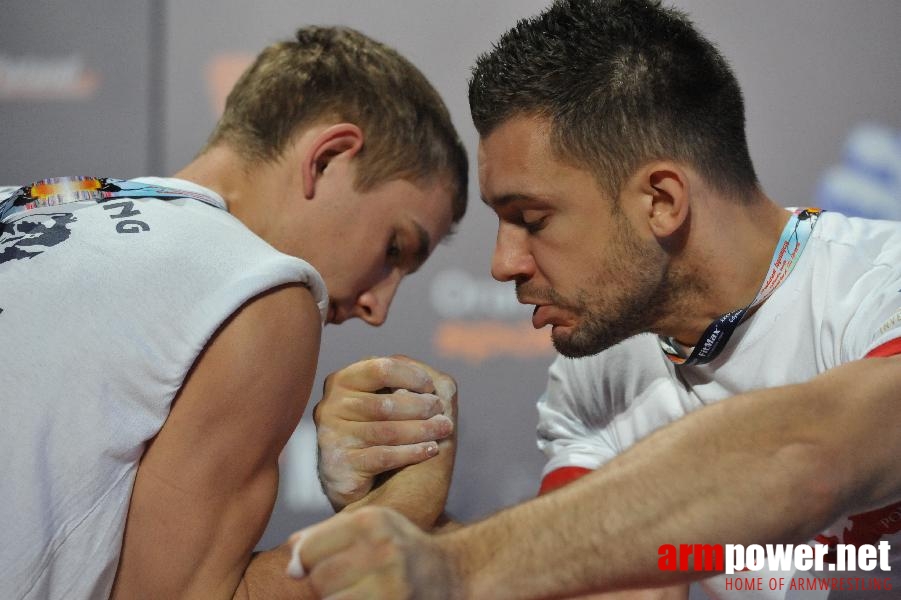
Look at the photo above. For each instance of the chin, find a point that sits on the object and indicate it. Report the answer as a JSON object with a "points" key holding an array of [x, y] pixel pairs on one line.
{"points": [[578, 343], [574, 348]]}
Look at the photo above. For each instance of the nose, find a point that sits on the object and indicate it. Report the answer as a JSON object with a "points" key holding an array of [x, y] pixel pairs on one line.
{"points": [[373, 304], [511, 260]]}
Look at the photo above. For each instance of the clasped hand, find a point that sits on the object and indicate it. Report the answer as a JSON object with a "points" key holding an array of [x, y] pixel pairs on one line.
{"points": [[379, 415]]}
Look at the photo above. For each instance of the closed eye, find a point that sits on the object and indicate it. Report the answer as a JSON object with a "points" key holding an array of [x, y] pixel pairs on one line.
{"points": [[533, 221], [394, 251]]}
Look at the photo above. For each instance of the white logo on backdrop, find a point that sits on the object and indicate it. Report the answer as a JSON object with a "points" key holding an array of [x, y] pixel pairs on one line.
{"points": [[868, 181], [46, 78], [481, 319], [456, 294]]}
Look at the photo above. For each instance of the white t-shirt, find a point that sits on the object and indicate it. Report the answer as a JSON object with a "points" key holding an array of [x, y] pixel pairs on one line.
{"points": [[103, 310], [841, 302]]}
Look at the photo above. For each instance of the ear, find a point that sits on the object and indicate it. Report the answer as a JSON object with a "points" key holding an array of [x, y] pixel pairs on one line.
{"points": [[665, 191], [336, 140]]}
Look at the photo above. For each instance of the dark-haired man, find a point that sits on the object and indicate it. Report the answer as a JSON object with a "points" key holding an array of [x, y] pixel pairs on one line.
{"points": [[161, 335], [735, 378]]}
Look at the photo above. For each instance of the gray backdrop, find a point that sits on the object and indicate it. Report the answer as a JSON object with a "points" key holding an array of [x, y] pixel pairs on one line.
{"points": [[132, 87]]}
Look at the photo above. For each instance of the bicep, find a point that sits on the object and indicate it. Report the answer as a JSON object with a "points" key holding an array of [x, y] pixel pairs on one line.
{"points": [[207, 482]]}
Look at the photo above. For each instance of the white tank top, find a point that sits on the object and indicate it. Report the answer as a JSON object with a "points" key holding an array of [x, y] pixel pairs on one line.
{"points": [[103, 310]]}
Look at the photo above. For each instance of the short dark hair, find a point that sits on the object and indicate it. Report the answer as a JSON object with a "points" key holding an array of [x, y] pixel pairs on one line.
{"points": [[340, 73], [621, 82]]}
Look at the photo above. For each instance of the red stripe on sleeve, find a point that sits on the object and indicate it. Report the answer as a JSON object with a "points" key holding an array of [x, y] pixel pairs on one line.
{"points": [[560, 477], [889, 348]]}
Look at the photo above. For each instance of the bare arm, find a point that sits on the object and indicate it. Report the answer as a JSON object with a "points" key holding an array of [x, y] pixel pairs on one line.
{"points": [[207, 483], [795, 450], [674, 592]]}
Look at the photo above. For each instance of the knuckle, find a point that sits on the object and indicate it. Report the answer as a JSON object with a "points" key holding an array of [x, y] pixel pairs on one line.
{"points": [[374, 460], [381, 369], [329, 382], [446, 386], [429, 405], [386, 433], [384, 460], [362, 404], [381, 406], [369, 518], [347, 490], [389, 553], [317, 410], [423, 405]]}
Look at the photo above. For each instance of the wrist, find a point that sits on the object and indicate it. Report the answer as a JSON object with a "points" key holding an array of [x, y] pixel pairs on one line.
{"points": [[466, 569]]}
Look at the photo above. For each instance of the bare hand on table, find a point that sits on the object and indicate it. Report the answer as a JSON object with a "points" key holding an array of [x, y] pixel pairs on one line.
{"points": [[375, 554]]}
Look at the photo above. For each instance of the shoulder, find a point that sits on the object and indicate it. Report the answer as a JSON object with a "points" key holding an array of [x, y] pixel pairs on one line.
{"points": [[263, 358], [174, 250], [867, 243], [252, 380], [855, 281], [243, 397]]}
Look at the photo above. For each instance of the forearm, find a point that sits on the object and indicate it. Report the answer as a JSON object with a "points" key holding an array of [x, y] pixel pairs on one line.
{"points": [[419, 492], [702, 480]]}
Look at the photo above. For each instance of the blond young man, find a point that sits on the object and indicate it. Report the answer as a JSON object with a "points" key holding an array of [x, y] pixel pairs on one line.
{"points": [[178, 321]]}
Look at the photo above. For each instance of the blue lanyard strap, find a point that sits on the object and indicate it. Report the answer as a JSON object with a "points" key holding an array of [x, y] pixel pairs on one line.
{"points": [[64, 190], [791, 243]]}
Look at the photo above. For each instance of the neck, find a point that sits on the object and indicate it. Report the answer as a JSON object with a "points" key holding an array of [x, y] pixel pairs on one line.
{"points": [[248, 190], [726, 262]]}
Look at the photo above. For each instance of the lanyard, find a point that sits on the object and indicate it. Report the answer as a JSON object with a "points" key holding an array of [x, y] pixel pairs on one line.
{"points": [[791, 243], [65, 190]]}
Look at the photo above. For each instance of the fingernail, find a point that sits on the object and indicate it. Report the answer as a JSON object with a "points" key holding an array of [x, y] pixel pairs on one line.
{"points": [[431, 449], [295, 568]]}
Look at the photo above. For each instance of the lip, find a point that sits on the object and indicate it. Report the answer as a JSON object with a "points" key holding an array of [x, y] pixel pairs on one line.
{"points": [[540, 316], [553, 315], [332, 314]]}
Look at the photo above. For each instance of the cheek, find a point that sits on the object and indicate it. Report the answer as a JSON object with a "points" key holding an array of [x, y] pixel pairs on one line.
{"points": [[560, 266], [361, 272]]}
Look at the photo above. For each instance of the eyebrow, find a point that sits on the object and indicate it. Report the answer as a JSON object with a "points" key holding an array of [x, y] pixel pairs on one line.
{"points": [[504, 200]]}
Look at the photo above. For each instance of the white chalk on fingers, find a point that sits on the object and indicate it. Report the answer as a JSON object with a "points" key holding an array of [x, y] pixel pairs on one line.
{"points": [[295, 568], [445, 388], [429, 401]]}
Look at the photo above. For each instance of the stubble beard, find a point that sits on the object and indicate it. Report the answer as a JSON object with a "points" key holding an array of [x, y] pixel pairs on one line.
{"points": [[600, 328], [632, 296]]}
